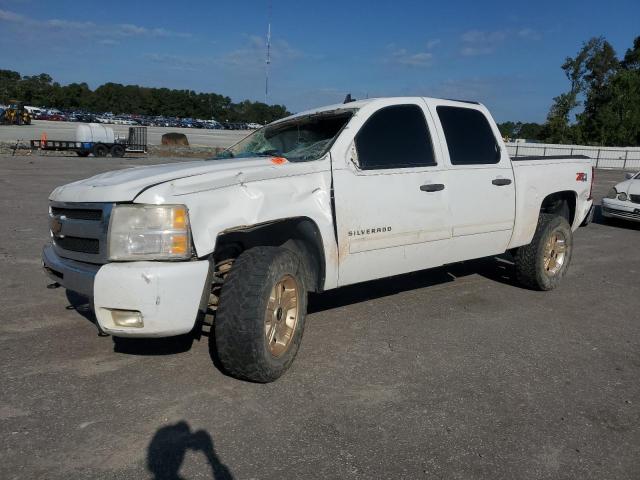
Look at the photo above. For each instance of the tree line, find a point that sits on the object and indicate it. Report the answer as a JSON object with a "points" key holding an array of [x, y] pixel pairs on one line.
{"points": [[608, 90], [42, 91]]}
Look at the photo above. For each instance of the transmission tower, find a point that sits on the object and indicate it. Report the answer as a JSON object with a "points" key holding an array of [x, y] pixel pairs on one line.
{"points": [[268, 58]]}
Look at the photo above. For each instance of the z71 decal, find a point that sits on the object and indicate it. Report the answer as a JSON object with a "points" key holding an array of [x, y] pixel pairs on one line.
{"points": [[581, 177]]}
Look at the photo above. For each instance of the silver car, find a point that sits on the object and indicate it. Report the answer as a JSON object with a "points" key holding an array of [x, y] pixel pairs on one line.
{"points": [[623, 200]]}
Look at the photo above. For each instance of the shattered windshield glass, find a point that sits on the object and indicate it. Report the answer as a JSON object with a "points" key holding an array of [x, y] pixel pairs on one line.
{"points": [[298, 140]]}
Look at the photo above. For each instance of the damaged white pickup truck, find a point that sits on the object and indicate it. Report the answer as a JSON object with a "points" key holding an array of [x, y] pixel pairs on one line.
{"points": [[321, 199]]}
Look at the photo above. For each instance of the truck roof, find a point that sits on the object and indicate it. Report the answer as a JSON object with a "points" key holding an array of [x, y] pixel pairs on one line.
{"points": [[357, 104]]}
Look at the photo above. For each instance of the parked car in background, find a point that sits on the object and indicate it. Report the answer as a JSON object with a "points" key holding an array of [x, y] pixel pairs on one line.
{"points": [[56, 117], [623, 200]]}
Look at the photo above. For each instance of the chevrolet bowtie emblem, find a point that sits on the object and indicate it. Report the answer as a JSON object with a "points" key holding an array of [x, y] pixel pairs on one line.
{"points": [[56, 226]]}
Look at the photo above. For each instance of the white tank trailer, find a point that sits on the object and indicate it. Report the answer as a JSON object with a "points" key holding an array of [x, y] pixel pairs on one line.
{"points": [[94, 133], [99, 140]]}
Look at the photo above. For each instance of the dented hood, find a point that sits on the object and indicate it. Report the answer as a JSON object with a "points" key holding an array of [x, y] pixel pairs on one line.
{"points": [[125, 185]]}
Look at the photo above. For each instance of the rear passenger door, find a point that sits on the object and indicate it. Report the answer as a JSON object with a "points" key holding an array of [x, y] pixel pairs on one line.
{"points": [[391, 201], [479, 179]]}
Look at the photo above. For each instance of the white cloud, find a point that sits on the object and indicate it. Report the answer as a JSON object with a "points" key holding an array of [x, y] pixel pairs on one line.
{"points": [[529, 34], [479, 42], [8, 16], [402, 56], [418, 59], [179, 62], [88, 29], [253, 54]]}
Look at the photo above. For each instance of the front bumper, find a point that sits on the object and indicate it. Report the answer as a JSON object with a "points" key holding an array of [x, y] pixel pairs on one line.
{"points": [[614, 208], [76, 276], [166, 294]]}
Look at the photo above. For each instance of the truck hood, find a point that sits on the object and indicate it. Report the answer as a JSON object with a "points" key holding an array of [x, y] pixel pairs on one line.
{"points": [[125, 185]]}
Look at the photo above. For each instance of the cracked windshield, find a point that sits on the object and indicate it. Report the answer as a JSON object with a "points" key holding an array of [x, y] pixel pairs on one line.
{"points": [[298, 140]]}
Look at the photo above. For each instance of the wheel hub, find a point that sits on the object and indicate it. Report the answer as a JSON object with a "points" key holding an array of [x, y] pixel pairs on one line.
{"points": [[281, 316], [555, 253]]}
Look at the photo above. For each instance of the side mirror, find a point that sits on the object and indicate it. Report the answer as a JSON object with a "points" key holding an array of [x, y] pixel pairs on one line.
{"points": [[629, 175], [498, 153]]}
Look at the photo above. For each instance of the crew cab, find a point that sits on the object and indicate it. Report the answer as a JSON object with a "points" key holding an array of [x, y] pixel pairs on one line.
{"points": [[315, 201]]}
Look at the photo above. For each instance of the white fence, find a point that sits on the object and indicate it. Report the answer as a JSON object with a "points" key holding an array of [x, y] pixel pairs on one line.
{"points": [[602, 157]]}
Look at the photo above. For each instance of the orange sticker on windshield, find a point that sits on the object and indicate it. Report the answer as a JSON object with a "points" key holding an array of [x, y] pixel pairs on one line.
{"points": [[278, 160]]}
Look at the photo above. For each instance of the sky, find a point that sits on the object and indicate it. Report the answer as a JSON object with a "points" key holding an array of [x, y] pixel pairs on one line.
{"points": [[503, 54]]}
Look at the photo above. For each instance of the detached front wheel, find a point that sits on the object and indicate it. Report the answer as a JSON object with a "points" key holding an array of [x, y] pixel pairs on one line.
{"points": [[544, 262], [260, 318]]}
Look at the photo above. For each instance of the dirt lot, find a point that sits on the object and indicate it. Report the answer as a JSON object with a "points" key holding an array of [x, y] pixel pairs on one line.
{"points": [[455, 372]]}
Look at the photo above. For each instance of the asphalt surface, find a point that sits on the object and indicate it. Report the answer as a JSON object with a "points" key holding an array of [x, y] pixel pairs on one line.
{"points": [[67, 131], [453, 373]]}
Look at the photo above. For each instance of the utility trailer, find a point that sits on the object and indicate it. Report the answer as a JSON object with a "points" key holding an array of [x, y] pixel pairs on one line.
{"points": [[99, 140]]}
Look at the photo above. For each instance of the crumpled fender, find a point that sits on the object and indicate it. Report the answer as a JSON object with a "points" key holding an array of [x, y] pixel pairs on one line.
{"points": [[294, 190]]}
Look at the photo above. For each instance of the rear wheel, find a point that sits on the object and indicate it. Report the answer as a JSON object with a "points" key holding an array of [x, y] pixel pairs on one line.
{"points": [[117, 151], [100, 150], [260, 319], [542, 264]]}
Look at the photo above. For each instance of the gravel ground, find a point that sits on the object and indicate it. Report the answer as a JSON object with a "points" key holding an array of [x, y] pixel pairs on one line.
{"points": [[452, 373]]}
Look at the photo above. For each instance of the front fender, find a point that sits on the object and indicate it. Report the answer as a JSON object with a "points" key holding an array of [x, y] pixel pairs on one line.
{"points": [[212, 212]]}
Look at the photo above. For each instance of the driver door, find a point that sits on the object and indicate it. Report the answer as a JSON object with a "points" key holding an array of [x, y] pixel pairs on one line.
{"points": [[391, 203]]}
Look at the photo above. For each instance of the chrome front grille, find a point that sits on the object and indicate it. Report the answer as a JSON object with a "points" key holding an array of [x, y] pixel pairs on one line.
{"points": [[622, 213], [79, 230]]}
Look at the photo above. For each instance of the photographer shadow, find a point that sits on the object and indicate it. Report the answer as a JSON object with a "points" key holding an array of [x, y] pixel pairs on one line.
{"points": [[169, 445]]}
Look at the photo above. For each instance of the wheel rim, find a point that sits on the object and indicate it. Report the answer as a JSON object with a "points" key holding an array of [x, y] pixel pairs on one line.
{"points": [[555, 253], [282, 315]]}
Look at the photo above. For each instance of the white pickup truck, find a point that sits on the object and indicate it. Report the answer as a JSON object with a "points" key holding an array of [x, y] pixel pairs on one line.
{"points": [[322, 199]]}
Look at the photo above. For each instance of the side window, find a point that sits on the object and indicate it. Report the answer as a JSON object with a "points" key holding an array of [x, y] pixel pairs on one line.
{"points": [[395, 137], [469, 136]]}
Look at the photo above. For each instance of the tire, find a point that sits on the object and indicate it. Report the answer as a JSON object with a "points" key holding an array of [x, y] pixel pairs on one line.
{"points": [[117, 151], [100, 150], [539, 268], [249, 314], [82, 153]]}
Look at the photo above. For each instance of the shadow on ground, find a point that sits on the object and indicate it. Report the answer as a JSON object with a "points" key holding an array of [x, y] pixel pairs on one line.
{"points": [[499, 269], [169, 446]]}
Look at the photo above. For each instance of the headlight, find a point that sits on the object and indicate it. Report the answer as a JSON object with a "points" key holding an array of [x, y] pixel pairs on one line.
{"points": [[613, 193], [622, 196], [149, 232]]}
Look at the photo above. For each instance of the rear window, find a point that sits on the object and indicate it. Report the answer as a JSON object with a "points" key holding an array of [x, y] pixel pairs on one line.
{"points": [[395, 137], [469, 136]]}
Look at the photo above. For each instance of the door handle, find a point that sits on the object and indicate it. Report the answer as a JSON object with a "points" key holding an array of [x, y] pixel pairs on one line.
{"points": [[432, 187], [501, 181]]}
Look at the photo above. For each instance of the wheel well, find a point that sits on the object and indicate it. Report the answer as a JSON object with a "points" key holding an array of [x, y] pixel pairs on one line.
{"points": [[560, 203], [299, 234]]}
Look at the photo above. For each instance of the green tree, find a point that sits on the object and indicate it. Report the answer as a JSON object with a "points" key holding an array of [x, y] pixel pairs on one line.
{"points": [[8, 85], [631, 60], [589, 74]]}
